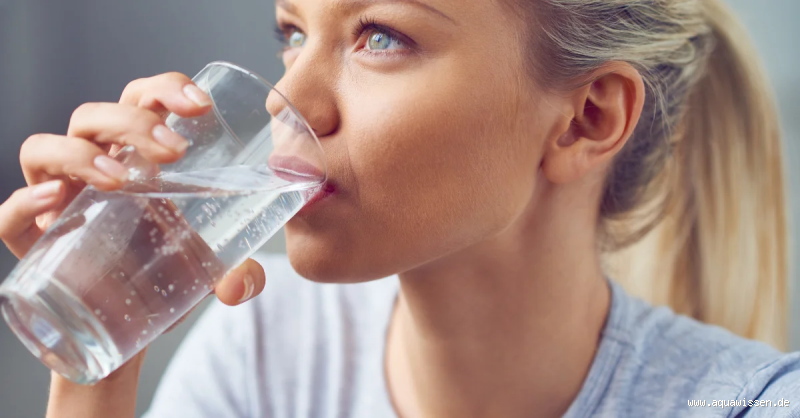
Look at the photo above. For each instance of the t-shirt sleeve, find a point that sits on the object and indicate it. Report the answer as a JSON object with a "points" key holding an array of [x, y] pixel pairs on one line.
{"points": [[206, 377], [780, 396]]}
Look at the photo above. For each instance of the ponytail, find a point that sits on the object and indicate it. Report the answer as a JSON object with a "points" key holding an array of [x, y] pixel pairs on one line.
{"points": [[720, 252]]}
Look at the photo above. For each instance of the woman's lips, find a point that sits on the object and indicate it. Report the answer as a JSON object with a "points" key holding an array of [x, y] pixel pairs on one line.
{"points": [[327, 190], [293, 168]]}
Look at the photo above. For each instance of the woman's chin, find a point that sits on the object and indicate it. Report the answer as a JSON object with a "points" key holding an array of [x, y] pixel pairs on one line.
{"points": [[320, 263]]}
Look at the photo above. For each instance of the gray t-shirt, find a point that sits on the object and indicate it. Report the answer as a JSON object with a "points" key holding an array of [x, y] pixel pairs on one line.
{"points": [[302, 349]]}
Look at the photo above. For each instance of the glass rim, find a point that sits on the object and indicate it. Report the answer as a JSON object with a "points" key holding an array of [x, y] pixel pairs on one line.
{"points": [[270, 87]]}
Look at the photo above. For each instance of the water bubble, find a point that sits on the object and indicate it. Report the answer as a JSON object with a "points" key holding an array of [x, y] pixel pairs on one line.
{"points": [[171, 310], [153, 231], [194, 122], [122, 274], [153, 240], [128, 302], [138, 342], [205, 286], [196, 281], [133, 293], [170, 219], [193, 288], [185, 292], [136, 222], [160, 275], [97, 311], [127, 317], [149, 321], [156, 288], [171, 287], [164, 293], [144, 332]]}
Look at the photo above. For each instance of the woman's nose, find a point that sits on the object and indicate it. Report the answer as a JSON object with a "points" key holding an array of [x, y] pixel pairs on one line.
{"points": [[306, 86]]}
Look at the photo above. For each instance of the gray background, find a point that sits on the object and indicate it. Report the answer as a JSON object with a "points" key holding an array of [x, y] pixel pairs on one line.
{"points": [[55, 55]]}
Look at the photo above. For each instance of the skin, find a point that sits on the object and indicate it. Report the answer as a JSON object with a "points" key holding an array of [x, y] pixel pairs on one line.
{"points": [[449, 166]]}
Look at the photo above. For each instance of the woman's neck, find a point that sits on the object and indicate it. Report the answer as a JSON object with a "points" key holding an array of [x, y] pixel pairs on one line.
{"points": [[503, 328]]}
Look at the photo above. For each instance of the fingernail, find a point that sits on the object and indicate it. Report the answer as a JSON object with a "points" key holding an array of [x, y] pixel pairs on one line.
{"points": [[46, 190], [111, 167], [169, 139], [199, 97], [249, 287]]}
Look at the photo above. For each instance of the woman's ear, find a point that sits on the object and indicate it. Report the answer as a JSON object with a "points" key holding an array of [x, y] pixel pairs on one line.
{"points": [[604, 115]]}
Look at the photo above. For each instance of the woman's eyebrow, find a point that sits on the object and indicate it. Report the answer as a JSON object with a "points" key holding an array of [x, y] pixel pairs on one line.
{"points": [[360, 4]]}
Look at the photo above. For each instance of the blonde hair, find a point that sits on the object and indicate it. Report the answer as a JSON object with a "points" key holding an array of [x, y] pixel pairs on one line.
{"points": [[693, 214]]}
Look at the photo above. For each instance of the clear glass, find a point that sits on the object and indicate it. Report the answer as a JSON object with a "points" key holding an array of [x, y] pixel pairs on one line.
{"points": [[119, 268]]}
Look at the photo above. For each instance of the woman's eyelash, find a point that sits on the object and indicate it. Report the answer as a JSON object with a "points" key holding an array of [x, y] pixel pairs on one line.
{"points": [[281, 32], [366, 24]]}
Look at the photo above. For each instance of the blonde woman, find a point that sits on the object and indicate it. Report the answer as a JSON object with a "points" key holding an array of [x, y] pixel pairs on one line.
{"points": [[499, 169]]}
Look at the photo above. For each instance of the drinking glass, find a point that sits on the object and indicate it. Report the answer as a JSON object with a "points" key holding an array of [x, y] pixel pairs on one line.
{"points": [[119, 268]]}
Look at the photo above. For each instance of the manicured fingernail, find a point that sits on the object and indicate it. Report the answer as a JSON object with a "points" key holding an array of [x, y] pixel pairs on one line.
{"points": [[46, 190], [199, 97], [249, 287], [170, 139], [111, 167]]}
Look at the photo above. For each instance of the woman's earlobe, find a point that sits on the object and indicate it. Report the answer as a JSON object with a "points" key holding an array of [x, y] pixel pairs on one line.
{"points": [[606, 112]]}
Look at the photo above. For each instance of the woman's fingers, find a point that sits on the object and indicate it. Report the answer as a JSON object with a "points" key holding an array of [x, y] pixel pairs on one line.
{"points": [[18, 214], [241, 284], [75, 157], [172, 92], [112, 123]]}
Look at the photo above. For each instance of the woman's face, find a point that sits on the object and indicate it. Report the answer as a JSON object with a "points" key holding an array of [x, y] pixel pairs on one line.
{"points": [[432, 130]]}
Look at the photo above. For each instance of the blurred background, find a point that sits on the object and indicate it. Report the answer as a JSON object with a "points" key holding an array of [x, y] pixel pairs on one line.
{"points": [[55, 55]]}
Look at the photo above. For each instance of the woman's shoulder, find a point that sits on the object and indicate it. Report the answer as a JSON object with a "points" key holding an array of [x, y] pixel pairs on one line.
{"points": [[672, 359]]}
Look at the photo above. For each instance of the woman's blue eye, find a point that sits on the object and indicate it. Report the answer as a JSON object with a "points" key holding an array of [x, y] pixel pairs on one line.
{"points": [[380, 41], [297, 39]]}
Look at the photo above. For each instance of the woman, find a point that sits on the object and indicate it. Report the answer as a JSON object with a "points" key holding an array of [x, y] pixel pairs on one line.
{"points": [[503, 158]]}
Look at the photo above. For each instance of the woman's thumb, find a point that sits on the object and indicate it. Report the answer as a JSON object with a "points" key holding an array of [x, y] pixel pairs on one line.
{"points": [[241, 284]]}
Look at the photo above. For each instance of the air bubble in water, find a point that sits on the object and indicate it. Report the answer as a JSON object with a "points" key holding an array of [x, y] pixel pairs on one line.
{"points": [[153, 240], [128, 302], [133, 293], [149, 321], [171, 310], [127, 317], [196, 281], [97, 311], [185, 292], [205, 286], [171, 287], [121, 274], [159, 275], [156, 288], [144, 332], [164, 293], [193, 287]]}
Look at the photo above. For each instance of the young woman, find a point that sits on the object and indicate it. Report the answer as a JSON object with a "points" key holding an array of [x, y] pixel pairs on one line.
{"points": [[512, 162]]}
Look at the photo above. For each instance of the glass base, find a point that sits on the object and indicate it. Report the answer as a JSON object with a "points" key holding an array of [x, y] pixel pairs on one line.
{"points": [[60, 332]]}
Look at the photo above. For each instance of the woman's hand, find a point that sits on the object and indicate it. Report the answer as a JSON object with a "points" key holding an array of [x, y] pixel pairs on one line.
{"points": [[57, 167]]}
